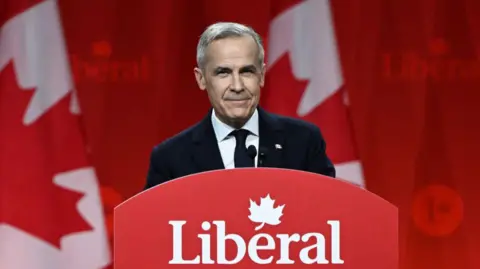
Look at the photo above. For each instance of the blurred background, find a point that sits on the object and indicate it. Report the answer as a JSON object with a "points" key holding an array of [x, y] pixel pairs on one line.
{"points": [[393, 85]]}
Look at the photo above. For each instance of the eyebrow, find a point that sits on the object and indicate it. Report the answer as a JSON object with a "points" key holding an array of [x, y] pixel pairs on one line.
{"points": [[251, 68], [247, 68], [222, 69]]}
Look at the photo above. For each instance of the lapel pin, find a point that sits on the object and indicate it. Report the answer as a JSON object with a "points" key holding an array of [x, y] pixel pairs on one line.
{"points": [[278, 146]]}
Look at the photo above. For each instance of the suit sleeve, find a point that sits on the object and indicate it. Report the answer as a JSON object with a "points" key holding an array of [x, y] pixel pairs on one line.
{"points": [[318, 161], [158, 169]]}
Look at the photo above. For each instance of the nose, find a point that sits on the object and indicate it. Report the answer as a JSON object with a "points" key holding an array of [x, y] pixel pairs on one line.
{"points": [[237, 83]]}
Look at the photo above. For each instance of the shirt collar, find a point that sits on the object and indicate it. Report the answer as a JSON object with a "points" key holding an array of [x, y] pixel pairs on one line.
{"points": [[222, 130]]}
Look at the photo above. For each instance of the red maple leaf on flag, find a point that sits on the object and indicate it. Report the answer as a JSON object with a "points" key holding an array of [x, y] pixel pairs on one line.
{"points": [[283, 96], [30, 158]]}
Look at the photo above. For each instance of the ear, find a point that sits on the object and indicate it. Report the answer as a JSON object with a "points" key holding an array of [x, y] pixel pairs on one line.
{"points": [[200, 77], [262, 75]]}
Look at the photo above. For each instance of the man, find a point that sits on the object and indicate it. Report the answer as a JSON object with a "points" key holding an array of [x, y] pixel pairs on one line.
{"points": [[237, 132]]}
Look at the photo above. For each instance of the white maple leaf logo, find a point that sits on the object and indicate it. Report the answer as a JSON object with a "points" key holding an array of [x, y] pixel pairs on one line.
{"points": [[265, 212]]}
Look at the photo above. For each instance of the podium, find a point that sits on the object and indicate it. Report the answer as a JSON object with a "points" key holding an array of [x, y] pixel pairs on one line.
{"points": [[256, 218]]}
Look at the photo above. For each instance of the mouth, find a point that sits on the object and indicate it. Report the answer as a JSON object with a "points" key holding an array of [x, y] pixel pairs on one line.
{"points": [[238, 101]]}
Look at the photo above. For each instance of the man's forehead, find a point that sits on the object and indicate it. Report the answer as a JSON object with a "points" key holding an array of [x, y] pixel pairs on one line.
{"points": [[234, 46], [231, 54], [243, 39]]}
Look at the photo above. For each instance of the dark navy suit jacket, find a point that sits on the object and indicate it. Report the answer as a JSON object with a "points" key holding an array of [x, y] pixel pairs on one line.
{"points": [[195, 150]]}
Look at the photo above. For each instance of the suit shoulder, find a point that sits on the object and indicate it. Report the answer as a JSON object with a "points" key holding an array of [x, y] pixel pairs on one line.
{"points": [[175, 142], [291, 123], [302, 130]]}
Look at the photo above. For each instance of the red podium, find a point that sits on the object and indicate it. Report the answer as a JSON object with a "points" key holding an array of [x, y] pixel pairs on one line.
{"points": [[256, 218]]}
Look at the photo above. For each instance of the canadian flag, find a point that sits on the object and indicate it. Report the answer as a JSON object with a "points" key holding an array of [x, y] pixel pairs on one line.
{"points": [[304, 78], [50, 208]]}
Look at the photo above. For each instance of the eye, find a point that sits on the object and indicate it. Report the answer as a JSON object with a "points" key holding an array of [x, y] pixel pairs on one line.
{"points": [[222, 71], [248, 70]]}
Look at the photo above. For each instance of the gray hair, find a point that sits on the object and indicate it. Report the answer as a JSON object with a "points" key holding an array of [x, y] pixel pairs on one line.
{"points": [[222, 30]]}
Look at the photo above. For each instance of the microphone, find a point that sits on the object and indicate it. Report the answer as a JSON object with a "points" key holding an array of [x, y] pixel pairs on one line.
{"points": [[252, 151], [262, 156]]}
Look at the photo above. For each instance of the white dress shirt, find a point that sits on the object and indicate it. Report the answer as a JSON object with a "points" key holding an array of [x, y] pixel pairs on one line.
{"points": [[227, 142]]}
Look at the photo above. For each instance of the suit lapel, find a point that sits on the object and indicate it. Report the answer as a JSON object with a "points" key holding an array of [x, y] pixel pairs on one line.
{"points": [[271, 140], [206, 153]]}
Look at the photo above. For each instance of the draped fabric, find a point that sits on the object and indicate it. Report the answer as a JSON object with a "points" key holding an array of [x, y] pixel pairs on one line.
{"points": [[51, 212], [411, 70]]}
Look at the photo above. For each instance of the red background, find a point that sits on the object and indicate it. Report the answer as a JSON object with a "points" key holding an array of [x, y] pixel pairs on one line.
{"points": [[412, 126]]}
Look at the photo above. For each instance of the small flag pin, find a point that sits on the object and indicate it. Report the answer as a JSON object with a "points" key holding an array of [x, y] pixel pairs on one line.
{"points": [[278, 146]]}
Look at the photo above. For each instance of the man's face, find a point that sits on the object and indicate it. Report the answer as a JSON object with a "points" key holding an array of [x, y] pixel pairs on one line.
{"points": [[232, 77]]}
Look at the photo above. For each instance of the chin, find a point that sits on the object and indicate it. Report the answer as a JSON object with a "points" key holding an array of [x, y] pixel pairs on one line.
{"points": [[239, 113]]}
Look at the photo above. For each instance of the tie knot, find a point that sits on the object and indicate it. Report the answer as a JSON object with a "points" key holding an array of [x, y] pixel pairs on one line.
{"points": [[240, 135]]}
